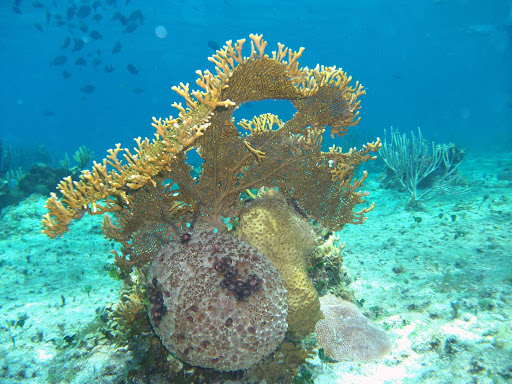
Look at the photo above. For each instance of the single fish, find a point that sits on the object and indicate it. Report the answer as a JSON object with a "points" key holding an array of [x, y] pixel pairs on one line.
{"points": [[131, 68], [95, 35], [70, 12], [47, 112], [130, 27], [66, 74], [48, 17], [59, 60], [137, 91], [38, 27], [78, 45], [96, 61], [119, 16], [84, 27], [136, 15], [96, 5], [97, 17], [81, 62], [88, 88], [109, 68], [112, 3], [16, 10], [117, 47], [37, 4], [66, 43], [213, 45], [83, 11]]}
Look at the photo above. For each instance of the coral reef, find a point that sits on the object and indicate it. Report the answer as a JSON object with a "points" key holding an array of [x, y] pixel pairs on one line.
{"points": [[213, 299], [197, 311], [40, 178], [345, 334]]}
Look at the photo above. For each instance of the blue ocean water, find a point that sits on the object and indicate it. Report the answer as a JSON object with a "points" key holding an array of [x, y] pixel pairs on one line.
{"points": [[441, 65], [93, 73]]}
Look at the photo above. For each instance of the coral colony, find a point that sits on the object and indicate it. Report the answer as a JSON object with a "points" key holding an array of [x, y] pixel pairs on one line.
{"points": [[225, 276]]}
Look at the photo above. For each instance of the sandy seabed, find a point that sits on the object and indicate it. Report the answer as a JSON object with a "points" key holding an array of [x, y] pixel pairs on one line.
{"points": [[439, 281]]}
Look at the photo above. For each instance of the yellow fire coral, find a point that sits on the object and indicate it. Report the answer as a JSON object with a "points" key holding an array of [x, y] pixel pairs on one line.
{"points": [[273, 154]]}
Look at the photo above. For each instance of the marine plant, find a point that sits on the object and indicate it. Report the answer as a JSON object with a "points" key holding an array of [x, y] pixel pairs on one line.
{"points": [[83, 156], [158, 207], [413, 161]]}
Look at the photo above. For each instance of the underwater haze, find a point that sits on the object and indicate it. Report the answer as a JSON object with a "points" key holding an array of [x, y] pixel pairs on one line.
{"points": [[430, 270]]}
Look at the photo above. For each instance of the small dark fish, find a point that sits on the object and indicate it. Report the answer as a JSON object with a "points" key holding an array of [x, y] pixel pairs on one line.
{"points": [[136, 15], [47, 112], [16, 10], [98, 52], [118, 16], [38, 27], [70, 12], [59, 60], [95, 35], [131, 68], [127, 2], [37, 4], [48, 17], [96, 5], [96, 61], [81, 61], [109, 68], [66, 74], [137, 91], [59, 22], [97, 17], [117, 47], [83, 11], [130, 27], [84, 27], [66, 43], [78, 45], [213, 45], [88, 88], [112, 3]]}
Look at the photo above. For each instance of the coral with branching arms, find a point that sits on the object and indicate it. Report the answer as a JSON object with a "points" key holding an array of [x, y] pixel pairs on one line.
{"points": [[273, 154]]}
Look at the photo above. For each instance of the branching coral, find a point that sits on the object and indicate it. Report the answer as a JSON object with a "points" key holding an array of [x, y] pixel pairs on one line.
{"points": [[273, 154]]}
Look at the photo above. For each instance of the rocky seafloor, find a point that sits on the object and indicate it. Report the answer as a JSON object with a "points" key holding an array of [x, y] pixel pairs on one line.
{"points": [[439, 281]]}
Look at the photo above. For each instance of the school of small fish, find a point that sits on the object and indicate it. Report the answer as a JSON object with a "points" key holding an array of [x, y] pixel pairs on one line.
{"points": [[87, 26]]}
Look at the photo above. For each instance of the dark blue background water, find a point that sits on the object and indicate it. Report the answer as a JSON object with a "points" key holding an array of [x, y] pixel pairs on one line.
{"points": [[442, 65]]}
